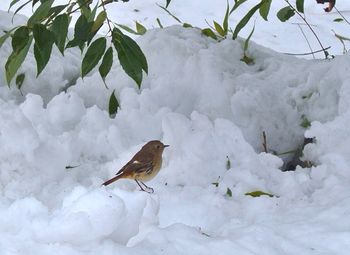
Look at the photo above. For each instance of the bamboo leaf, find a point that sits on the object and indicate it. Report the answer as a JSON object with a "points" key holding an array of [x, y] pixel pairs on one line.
{"points": [[60, 30], [245, 20]]}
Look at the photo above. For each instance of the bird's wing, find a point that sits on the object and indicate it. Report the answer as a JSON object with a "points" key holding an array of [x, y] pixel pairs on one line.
{"points": [[138, 164]]}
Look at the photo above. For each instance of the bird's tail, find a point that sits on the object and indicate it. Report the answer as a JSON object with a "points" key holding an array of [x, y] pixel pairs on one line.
{"points": [[113, 179]]}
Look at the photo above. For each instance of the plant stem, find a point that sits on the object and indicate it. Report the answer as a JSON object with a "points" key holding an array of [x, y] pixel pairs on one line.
{"points": [[307, 23]]}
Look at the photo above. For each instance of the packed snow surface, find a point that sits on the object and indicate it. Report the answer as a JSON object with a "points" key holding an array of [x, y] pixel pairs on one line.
{"points": [[58, 144]]}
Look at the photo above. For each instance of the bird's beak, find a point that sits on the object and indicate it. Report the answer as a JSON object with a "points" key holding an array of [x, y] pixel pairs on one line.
{"points": [[165, 145]]}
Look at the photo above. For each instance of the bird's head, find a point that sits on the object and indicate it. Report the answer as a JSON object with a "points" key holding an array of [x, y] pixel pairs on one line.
{"points": [[155, 146]]}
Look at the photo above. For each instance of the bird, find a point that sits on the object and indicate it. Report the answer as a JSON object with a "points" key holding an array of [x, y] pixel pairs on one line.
{"points": [[143, 166]]}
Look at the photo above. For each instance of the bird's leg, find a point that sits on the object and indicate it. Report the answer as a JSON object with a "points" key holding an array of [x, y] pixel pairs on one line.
{"points": [[150, 190]]}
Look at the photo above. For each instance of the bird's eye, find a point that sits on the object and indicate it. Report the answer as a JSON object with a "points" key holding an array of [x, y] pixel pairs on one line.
{"points": [[158, 146]]}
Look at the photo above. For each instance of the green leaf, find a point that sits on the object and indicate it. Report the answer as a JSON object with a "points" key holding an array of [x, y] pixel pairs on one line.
{"points": [[265, 8], [216, 184], [245, 20], [60, 29], [12, 4], [167, 3], [219, 29], [54, 11], [172, 15], [208, 32], [305, 122], [20, 8], [186, 25], [113, 104], [93, 55], [20, 38], [258, 193], [93, 13], [159, 23], [71, 167], [300, 6], [15, 60], [141, 30], [285, 13], [228, 163], [4, 37], [247, 60], [225, 22], [101, 17], [228, 192], [20, 80], [41, 13], [338, 20], [236, 5], [130, 56], [246, 43], [127, 29], [44, 40], [106, 64], [82, 32]]}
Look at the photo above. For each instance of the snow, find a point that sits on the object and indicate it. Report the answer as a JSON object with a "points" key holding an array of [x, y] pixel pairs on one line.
{"points": [[58, 145]]}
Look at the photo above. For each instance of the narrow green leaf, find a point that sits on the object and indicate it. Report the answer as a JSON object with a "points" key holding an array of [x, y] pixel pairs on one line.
{"points": [[60, 29], [245, 20], [101, 17], [12, 4], [93, 13], [258, 193], [93, 55], [208, 32], [338, 20], [236, 5], [172, 15], [141, 30], [4, 37], [300, 6], [228, 163], [130, 56], [127, 29], [54, 11], [225, 22], [20, 80], [41, 13], [34, 3], [20, 38], [159, 23], [186, 25], [285, 13], [20, 8], [167, 3], [265, 8], [246, 43], [228, 192], [44, 40], [219, 29], [82, 32], [106, 64], [15, 60], [113, 104]]}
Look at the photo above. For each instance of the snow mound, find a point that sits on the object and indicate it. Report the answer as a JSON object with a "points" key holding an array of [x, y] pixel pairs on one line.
{"points": [[58, 146]]}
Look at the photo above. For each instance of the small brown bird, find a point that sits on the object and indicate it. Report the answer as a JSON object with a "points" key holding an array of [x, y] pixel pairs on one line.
{"points": [[144, 166]]}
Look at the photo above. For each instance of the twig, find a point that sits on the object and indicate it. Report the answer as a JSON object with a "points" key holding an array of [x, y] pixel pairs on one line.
{"points": [[341, 15], [264, 143], [308, 43], [304, 54], [307, 23]]}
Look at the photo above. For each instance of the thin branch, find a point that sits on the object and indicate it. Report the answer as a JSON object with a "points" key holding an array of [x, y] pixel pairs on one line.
{"points": [[264, 143], [308, 43], [308, 53], [341, 15], [307, 23]]}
